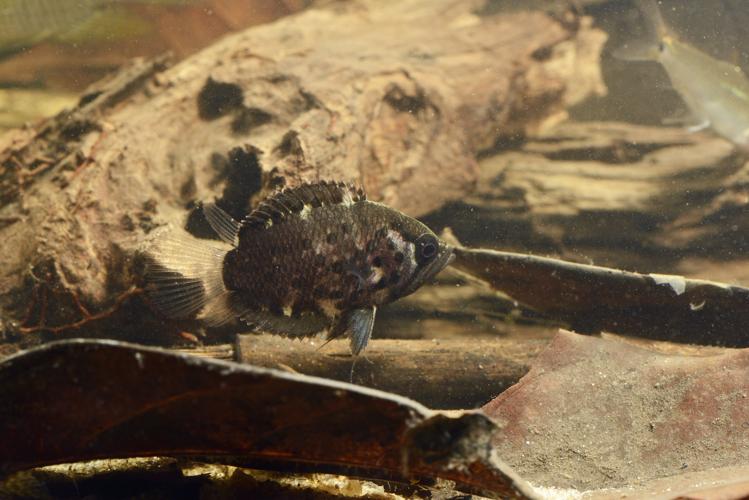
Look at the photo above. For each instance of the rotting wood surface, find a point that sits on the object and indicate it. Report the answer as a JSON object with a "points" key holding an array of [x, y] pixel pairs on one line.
{"points": [[366, 91], [453, 374]]}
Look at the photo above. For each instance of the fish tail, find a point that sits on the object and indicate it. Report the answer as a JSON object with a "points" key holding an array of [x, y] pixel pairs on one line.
{"points": [[184, 277], [649, 48]]}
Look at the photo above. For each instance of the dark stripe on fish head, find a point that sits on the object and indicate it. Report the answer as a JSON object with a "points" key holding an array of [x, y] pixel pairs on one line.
{"points": [[402, 255]]}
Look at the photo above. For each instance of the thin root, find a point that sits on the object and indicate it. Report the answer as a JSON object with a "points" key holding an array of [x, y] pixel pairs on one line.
{"points": [[87, 317]]}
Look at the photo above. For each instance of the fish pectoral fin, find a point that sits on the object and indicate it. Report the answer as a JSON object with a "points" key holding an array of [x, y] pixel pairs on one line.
{"points": [[288, 326], [361, 323], [685, 118], [221, 222], [358, 324]]}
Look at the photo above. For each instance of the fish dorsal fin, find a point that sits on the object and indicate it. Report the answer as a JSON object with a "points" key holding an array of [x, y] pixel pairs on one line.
{"points": [[291, 201], [221, 222]]}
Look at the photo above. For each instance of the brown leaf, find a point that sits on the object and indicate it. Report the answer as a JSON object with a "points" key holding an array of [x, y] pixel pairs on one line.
{"points": [[601, 413], [80, 400]]}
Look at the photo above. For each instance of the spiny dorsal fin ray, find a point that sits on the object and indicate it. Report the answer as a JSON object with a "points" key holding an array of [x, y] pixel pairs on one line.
{"points": [[290, 201]]}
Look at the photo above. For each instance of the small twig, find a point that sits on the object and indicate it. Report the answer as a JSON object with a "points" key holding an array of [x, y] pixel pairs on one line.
{"points": [[87, 316], [80, 306], [26, 174], [287, 368], [190, 337], [90, 156]]}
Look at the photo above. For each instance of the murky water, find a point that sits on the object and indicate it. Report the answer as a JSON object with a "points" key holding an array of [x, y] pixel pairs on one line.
{"points": [[600, 132]]}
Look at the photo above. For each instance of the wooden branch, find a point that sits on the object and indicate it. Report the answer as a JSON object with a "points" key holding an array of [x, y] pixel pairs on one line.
{"points": [[437, 373]]}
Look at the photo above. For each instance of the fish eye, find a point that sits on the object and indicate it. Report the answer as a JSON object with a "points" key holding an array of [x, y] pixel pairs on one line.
{"points": [[426, 248], [661, 46]]}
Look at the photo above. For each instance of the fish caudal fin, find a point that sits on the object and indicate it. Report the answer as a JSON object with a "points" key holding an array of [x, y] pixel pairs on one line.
{"points": [[647, 49], [185, 277]]}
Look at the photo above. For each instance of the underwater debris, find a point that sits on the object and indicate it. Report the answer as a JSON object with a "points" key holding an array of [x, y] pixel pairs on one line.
{"points": [[677, 283], [625, 415], [62, 404], [592, 299]]}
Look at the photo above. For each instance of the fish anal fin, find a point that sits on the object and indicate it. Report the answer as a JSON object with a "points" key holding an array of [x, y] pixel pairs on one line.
{"points": [[688, 120], [697, 127], [222, 223], [680, 117]]}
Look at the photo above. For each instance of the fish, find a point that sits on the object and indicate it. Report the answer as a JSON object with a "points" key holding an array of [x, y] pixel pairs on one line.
{"points": [[318, 257], [715, 91]]}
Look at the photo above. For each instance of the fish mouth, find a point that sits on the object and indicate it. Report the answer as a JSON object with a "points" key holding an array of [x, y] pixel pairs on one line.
{"points": [[445, 257]]}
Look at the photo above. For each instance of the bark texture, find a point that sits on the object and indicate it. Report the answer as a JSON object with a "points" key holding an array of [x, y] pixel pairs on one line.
{"points": [[399, 96]]}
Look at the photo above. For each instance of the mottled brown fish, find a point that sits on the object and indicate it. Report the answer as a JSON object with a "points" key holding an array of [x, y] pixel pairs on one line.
{"points": [[318, 257]]}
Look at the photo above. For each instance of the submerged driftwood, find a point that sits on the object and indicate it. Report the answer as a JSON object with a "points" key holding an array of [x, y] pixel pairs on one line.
{"points": [[652, 199], [449, 374], [367, 91]]}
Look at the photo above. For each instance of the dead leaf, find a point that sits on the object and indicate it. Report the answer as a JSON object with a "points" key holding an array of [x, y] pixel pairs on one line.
{"points": [[601, 413], [83, 399]]}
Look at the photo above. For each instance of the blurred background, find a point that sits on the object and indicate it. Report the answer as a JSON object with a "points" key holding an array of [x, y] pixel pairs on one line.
{"points": [[51, 50]]}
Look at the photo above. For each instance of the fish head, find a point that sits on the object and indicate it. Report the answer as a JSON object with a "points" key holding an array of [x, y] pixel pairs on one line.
{"points": [[415, 254]]}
